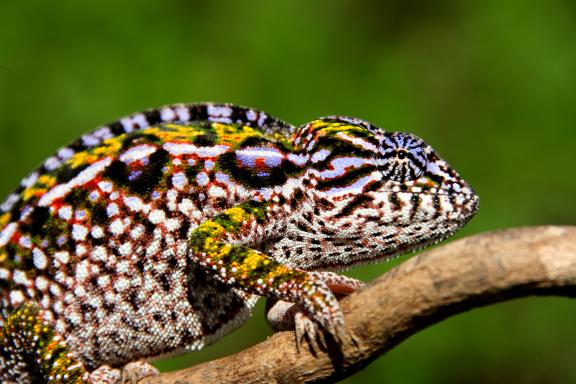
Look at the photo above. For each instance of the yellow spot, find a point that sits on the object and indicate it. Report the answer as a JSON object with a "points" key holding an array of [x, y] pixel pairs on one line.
{"points": [[3, 255], [174, 133], [252, 261], [237, 214], [4, 220], [29, 193], [215, 229], [280, 270], [46, 180], [232, 134], [109, 147]]}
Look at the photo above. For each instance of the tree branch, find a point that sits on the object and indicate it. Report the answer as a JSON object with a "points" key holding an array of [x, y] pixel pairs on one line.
{"points": [[455, 277]]}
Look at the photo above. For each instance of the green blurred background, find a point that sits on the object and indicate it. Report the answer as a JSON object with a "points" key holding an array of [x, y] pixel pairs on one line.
{"points": [[490, 84]]}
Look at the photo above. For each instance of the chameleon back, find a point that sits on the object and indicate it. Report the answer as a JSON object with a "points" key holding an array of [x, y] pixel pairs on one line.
{"points": [[97, 235]]}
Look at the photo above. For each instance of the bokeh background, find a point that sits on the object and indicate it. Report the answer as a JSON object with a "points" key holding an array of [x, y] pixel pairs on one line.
{"points": [[490, 84]]}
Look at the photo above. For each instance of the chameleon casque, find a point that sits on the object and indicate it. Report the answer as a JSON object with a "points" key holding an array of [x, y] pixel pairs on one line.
{"points": [[156, 234]]}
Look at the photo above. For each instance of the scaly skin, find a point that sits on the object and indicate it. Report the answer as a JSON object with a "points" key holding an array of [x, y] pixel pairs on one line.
{"points": [[156, 234]]}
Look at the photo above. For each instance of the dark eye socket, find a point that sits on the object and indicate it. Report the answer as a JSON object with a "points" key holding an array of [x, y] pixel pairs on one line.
{"points": [[402, 157]]}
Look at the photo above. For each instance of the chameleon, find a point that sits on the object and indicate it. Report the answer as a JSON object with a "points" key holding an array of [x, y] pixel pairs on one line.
{"points": [[156, 234]]}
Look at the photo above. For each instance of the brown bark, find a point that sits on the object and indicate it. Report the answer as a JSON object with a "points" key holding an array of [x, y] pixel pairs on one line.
{"points": [[455, 277]]}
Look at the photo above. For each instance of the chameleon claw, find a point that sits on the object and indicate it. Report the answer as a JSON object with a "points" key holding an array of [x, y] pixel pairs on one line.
{"points": [[304, 327]]}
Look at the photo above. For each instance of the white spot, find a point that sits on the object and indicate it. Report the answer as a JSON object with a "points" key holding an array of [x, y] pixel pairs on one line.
{"points": [[45, 303], [75, 319], [219, 113], [135, 204], [58, 308], [186, 206], [103, 280], [41, 283], [137, 232], [55, 289], [94, 195], [25, 242], [214, 151], [112, 209], [353, 188], [117, 227], [172, 224], [29, 181], [90, 140], [99, 253], [216, 192], [79, 291], [320, 155], [123, 267], [183, 113], [65, 212], [125, 249], [4, 273], [153, 248], [39, 258], [82, 178], [65, 153], [52, 163], [261, 119], [178, 149], [105, 186], [82, 270], [299, 159], [134, 122], [80, 214], [9, 203], [157, 216], [167, 114], [79, 232], [202, 179], [179, 180], [20, 278], [7, 233], [121, 284], [16, 297], [251, 115], [137, 153], [97, 232], [63, 256]]}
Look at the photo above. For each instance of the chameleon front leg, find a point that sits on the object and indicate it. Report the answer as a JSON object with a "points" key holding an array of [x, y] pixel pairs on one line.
{"points": [[283, 315], [32, 352], [210, 246]]}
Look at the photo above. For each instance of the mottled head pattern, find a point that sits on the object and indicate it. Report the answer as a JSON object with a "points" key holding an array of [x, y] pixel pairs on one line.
{"points": [[375, 195]]}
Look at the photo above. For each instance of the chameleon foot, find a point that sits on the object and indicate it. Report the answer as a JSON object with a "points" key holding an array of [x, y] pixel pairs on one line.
{"points": [[131, 373], [137, 370], [304, 327], [106, 375]]}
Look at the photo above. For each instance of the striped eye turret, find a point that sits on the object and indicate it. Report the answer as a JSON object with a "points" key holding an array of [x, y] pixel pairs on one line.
{"points": [[401, 157]]}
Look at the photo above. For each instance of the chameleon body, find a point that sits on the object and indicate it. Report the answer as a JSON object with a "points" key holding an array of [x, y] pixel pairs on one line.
{"points": [[156, 234]]}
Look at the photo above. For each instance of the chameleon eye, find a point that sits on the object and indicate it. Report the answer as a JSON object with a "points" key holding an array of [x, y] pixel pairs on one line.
{"points": [[401, 157]]}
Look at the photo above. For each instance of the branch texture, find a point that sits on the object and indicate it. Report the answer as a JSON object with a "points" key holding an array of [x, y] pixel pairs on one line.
{"points": [[455, 277]]}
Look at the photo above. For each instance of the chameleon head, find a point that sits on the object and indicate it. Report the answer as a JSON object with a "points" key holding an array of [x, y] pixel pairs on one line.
{"points": [[377, 194]]}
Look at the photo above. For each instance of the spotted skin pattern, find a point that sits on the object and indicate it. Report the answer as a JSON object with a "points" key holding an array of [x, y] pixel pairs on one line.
{"points": [[156, 234]]}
